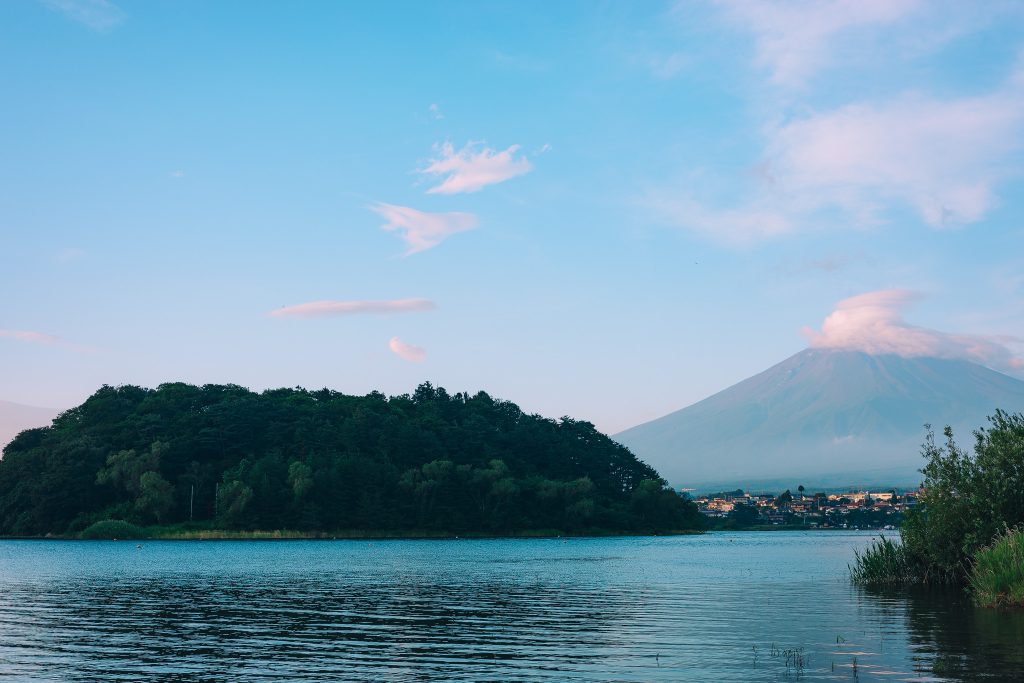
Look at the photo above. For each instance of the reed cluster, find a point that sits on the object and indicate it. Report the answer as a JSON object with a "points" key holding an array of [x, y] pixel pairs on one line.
{"points": [[884, 562], [997, 577]]}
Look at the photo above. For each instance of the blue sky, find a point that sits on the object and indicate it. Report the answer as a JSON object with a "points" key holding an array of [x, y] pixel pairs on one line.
{"points": [[604, 210]]}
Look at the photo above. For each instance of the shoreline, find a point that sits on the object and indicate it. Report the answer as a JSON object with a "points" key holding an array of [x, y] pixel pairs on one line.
{"points": [[355, 535]]}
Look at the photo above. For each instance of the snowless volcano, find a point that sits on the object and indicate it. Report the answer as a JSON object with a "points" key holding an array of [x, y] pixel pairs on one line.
{"points": [[826, 418]]}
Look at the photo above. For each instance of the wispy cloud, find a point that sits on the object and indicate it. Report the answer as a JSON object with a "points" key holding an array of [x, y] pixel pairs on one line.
{"points": [[855, 165], [421, 230], [435, 111], [873, 323], [943, 158], [323, 309], [735, 226], [98, 15], [413, 354], [30, 337], [474, 167], [796, 39]]}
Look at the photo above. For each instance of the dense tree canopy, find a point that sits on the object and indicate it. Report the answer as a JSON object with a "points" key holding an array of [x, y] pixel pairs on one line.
{"points": [[322, 460]]}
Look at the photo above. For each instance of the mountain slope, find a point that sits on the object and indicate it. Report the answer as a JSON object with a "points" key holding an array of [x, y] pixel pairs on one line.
{"points": [[821, 414], [15, 417]]}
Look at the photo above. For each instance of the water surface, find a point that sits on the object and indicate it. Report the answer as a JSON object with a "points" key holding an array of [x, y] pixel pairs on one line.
{"points": [[730, 607]]}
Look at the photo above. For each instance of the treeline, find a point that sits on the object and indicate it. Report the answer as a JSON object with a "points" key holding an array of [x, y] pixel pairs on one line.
{"points": [[226, 457], [967, 528]]}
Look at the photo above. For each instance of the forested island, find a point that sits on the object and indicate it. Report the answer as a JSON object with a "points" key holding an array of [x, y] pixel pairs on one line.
{"points": [[183, 459]]}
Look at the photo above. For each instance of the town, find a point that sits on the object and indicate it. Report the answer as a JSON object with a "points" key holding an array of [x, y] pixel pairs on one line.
{"points": [[850, 510]]}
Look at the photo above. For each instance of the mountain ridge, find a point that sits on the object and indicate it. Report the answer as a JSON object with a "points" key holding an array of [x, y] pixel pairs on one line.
{"points": [[821, 412]]}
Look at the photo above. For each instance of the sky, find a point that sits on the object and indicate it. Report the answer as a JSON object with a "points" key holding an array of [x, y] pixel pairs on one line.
{"points": [[602, 210]]}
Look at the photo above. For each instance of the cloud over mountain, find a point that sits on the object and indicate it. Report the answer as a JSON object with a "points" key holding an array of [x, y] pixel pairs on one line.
{"points": [[873, 323]]}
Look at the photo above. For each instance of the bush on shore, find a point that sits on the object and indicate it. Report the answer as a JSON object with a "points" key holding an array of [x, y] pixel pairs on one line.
{"points": [[956, 534], [112, 529], [997, 578]]}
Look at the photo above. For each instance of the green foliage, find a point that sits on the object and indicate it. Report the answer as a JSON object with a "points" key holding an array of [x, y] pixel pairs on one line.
{"points": [[997, 577], [743, 515], [968, 499], [884, 562], [309, 461], [112, 529]]}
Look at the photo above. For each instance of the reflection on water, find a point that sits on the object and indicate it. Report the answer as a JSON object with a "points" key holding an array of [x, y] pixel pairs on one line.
{"points": [[754, 606], [956, 639]]}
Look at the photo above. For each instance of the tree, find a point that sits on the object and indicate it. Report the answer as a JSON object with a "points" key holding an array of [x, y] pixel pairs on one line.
{"points": [[156, 495], [800, 488], [744, 515]]}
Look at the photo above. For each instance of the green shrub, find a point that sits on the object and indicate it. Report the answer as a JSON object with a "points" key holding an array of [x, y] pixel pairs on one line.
{"points": [[112, 529], [884, 562], [997, 578]]}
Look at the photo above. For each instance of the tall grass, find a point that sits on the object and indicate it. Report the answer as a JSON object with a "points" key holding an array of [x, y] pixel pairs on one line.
{"points": [[884, 562], [997, 578]]}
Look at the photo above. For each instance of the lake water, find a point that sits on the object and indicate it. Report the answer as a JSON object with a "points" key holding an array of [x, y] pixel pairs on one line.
{"points": [[719, 607]]}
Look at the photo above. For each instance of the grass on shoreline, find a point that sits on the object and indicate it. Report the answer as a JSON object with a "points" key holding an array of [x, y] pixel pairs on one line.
{"points": [[114, 529], [884, 562], [997, 578]]}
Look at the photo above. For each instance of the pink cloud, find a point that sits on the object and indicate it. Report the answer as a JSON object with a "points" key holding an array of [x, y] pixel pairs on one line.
{"points": [[321, 309], [421, 230], [872, 323], [473, 168], [943, 158], [30, 337], [413, 354]]}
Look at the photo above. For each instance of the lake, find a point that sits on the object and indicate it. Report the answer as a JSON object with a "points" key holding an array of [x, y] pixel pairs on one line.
{"points": [[770, 606]]}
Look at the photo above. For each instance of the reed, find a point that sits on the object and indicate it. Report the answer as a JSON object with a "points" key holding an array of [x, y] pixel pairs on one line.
{"points": [[884, 562], [997, 577]]}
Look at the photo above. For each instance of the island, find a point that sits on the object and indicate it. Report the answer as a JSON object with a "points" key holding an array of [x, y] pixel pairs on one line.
{"points": [[185, 461]]}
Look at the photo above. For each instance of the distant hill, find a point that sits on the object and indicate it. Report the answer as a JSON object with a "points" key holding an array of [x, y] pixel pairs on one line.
{"points": [[823, 417], [15, 417], [226, 457]]}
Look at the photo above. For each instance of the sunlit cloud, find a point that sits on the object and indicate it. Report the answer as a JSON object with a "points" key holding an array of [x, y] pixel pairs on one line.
{"points": [[324, 309], [873, 323], [98, 15], [854, 166], [435, 111], [413, 354], [421, 230], [942, 158], [474, 167]]}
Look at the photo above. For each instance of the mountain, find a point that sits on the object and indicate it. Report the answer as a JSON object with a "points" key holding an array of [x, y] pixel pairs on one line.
{"points": [[823, 417], [15, 417]]}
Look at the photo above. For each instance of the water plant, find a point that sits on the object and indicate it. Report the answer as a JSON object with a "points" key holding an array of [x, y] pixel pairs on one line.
{"points": [[883, 562], [997, 577]]}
